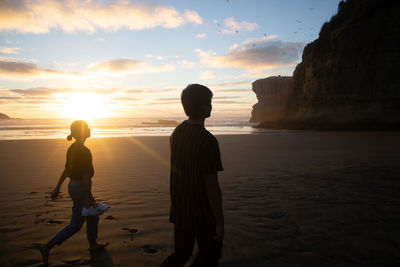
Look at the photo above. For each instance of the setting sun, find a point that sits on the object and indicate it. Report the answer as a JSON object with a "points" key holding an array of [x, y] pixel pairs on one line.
{"points": [[85, 106]]}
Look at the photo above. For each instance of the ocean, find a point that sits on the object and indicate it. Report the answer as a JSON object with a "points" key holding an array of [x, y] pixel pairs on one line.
{"points": [[17, 129]]}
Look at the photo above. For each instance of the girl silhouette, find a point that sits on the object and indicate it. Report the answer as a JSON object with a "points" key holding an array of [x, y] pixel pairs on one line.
{"points": [[79, 169]]}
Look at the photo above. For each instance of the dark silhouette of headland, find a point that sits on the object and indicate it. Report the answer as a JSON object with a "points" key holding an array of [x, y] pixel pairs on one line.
{"points": [[348, 78], [4, 116], [272, 94]]}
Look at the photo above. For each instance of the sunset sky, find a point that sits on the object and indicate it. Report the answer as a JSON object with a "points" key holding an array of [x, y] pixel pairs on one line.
{"points": [[132, 58]]}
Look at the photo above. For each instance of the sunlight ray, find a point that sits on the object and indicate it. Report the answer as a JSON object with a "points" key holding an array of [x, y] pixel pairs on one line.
{"points": [[156, 156]]}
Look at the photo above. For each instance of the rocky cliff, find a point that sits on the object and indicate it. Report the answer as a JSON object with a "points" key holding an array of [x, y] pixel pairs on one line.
{"points": [[272, 94], [348, 77], [3, 116]]}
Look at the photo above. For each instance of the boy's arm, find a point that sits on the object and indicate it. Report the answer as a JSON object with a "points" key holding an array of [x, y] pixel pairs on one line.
{"points": [[215, 200]]}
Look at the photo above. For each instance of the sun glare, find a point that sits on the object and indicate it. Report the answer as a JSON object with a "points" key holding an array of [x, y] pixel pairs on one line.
{"points": [[85, 106]]}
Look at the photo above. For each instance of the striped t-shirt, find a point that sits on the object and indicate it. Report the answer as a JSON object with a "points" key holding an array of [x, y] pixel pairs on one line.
{"points": [[194, 153]]}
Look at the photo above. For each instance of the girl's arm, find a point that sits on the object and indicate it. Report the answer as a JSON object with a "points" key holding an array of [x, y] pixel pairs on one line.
{"points": [[61, 180], [88, 188]]}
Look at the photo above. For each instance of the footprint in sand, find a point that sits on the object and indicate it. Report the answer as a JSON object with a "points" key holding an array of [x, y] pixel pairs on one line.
{"points": [[51, 221], [275, 214], [148, 249], [75, 261], [57, 197], [272, 226], [110, 217], [72, 261], [39, 221], [9, 230], [131, 231], [28, 263], [33, 246]]}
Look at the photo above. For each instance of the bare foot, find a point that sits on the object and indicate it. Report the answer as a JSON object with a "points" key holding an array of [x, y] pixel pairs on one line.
{"points": [[45, 254]]}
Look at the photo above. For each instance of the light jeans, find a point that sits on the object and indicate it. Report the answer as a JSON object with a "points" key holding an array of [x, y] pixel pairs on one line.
{"points": [[80, 199]]}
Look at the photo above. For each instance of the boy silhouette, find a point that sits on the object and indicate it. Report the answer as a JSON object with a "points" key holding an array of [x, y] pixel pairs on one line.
{"points": [[196, 201]]}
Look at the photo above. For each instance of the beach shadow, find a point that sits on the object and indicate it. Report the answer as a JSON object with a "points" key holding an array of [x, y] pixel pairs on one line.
{"points": [[101, 258]]}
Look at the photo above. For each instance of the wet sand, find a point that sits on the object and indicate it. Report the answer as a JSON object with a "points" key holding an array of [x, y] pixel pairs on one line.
{"points": [[290, 199]]}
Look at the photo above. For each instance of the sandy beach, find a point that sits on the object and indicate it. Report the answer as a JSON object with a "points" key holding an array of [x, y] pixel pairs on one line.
{"points": [[290, 199]]}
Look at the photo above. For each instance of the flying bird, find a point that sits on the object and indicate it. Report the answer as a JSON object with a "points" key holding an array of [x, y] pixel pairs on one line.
{"points": [[298, 21], [265, 35], [237, 31], [254, 44]]}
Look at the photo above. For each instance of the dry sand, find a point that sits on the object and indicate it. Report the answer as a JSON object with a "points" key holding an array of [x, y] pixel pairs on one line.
{"points": [[290, 199]]}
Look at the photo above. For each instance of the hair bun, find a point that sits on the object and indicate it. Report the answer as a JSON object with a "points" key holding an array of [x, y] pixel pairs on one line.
{"points": [[69, 137]]}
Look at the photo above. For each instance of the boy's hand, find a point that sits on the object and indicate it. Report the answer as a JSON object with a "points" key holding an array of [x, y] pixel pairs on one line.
{"points": [[219, 232], [55, 193]]}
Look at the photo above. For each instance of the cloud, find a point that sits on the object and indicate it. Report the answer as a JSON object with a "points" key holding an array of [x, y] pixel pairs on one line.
{"points": [[231, 26], [207, 75], [259, 54], [7, 98], [260, 74], [230, 102], [161, 57], [201, 35], [156, 57], [165, 101], [169, 99], [40, 16], [173, 89], [128, 65], [13, 67], [46, 91], [134, 91], [36, 91], [187, 64], [122, 98], [9, 50], [232, 84], [234, 90], [193, 17], [227, 97]]}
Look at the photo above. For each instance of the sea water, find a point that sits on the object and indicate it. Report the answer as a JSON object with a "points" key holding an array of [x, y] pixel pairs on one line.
{"points": [[16, 129]]}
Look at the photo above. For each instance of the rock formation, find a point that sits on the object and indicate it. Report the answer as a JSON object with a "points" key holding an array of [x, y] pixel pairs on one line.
{"points": [[3, 116], [348, 77], [272, 94]]}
